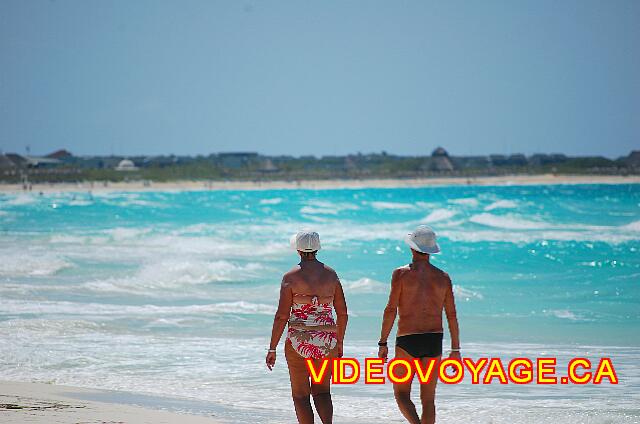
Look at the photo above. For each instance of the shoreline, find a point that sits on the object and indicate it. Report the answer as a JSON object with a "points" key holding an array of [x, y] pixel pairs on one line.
{"points": [[202, 185], [50, 404]]}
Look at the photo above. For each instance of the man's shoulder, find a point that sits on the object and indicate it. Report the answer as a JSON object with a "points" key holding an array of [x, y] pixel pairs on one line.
{"points": [[440, 273], [401, 271]]}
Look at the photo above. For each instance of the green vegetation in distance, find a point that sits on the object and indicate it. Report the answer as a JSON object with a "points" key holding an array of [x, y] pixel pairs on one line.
{"points": [[62, 166]]}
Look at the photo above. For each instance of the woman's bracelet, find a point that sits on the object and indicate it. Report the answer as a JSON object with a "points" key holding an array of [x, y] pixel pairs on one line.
{"points": [[382, 344], [271, 350], [455, 350]]}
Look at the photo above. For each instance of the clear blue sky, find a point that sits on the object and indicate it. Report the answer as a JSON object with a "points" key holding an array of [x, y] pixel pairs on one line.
{"points": [[320, 77]]}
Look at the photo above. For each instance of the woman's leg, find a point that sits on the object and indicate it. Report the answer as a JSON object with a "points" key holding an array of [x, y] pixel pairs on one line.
{"points": [[300, 384], [322, 392]]}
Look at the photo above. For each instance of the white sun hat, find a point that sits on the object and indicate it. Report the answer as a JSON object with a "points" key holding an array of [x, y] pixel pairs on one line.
{"points": [[423, 240], [306, 241]]}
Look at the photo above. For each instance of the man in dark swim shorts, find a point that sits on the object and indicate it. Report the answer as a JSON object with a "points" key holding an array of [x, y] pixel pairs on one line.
{"points": [[419, 293]]}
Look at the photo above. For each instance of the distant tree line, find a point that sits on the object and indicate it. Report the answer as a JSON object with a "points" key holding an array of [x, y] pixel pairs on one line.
{"points": [[62, 166]]}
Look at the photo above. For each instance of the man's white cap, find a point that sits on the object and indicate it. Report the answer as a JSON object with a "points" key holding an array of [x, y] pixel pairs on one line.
{"points": [[306, 241], [423, 240]]}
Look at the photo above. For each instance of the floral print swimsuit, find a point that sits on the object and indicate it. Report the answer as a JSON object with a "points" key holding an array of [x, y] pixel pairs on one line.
{"points": [[310, 343]]}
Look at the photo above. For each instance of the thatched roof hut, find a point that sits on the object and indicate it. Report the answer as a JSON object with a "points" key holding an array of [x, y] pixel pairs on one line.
{"points": [[440, 161]]}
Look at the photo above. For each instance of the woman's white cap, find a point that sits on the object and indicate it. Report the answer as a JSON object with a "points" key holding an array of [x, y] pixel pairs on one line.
{"points": [[306, 241], [423, 240]]}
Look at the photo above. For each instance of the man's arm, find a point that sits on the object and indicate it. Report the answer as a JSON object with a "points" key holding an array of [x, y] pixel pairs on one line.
{"points": [[452, 318], [340, 306], [280, 320], [390, 312]]}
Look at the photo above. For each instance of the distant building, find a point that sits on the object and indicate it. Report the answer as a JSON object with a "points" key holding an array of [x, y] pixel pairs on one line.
{"points": [[62, 155], [126, 165], [6, 164], [237, 159], [633, 160], [440, 161], [512, 160], [470, 161], [32, 161], [498, 160], [160, 161], [517, 160], [267, 166], [542, 159], [350, 164]]}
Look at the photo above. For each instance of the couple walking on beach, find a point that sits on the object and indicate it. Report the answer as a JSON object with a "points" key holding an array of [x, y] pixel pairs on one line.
{"points": [[311, 291]]}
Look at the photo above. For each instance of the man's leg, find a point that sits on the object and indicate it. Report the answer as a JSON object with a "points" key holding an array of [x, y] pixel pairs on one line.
{"points": [[428, 394], [402, 392], [300, 384]]}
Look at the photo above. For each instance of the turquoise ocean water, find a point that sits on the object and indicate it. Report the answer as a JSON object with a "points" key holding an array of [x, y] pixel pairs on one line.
{"points": [[172, 293]]}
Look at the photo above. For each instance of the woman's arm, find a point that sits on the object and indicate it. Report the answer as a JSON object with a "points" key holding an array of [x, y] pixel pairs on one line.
{"points": [[280, 320], [340, 305]]}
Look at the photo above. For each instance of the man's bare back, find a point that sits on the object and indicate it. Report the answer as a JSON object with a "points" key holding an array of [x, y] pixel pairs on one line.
{"points": [[419, 293], [425, 291]]}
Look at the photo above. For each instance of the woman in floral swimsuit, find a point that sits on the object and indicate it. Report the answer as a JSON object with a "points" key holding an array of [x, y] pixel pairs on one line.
{"points": [[309, 294]]}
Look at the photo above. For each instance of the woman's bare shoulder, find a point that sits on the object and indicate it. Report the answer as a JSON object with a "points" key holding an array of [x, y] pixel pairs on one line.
{"points": [[329, 270]]}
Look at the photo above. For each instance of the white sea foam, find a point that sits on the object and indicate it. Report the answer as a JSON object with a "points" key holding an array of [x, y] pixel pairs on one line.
{"points": [[16, 264], [80, 203], [466, 294], [634, 226], [273, 201], [123, 233], [339, 206], [144, 203], [427, 205], [525, 230], [125, 200], [324, 207], [509, 222], [528, 236], [242, 307], [565, 314], [19, 200], [467, 201], [97, 310], [345, 232], [501, 204], [391, 205], [365, 285], [311, 210], [68, 238], [175, 274], [316, 218], [440, 215]]}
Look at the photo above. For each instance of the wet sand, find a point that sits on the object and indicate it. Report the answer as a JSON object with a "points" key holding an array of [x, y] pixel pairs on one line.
{"points": [[51, 404]]}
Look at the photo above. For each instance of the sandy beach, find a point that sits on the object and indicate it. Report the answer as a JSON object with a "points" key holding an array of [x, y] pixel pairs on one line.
{"points": [[139, 185], [46, 403]]}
